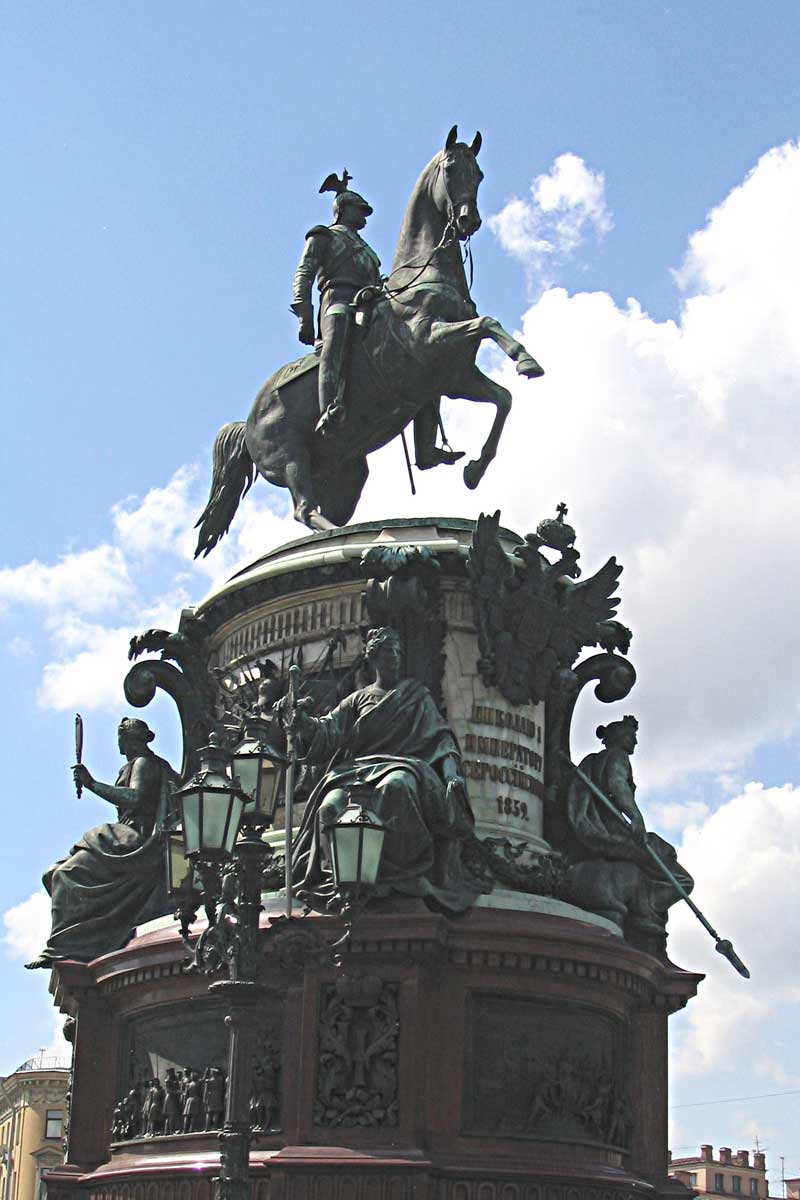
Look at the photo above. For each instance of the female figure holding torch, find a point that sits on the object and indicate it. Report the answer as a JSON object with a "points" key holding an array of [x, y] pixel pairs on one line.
{"points": [[113, 878]]}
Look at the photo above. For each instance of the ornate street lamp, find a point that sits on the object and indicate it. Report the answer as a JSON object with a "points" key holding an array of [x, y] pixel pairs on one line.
{"points": [[356, 842], [212, 805], [259, 768], [223, 814], [356, 848]]}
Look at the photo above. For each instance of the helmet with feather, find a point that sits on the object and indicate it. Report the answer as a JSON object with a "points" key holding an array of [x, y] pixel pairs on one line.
{"points": [[332, 183]]}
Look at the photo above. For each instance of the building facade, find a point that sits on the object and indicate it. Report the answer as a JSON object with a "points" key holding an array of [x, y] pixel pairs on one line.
{"points": [[33, 1112], [727, 1175]]}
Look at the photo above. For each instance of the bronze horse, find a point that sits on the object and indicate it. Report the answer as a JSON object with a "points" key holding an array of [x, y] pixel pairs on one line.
{"points": [[418, 345]]}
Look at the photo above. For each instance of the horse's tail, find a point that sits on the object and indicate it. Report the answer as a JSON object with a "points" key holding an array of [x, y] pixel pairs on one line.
{"points": [[234, 472]]}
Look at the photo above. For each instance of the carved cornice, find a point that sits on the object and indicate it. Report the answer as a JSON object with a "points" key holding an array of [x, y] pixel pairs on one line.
{"points": [[485, 942], [236, 600]]}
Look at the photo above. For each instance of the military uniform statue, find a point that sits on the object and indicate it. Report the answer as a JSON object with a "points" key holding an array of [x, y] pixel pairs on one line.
{"points": [[343, 264]]}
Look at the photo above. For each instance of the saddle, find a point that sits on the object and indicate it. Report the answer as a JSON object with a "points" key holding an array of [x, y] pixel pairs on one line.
{"points": [[293, 370]]}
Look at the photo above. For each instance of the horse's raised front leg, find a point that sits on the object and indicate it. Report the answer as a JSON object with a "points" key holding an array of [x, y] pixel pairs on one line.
{"points": [[479, 328], [474, 385]]}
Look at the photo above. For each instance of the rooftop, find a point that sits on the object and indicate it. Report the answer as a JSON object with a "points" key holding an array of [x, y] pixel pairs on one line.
{"points": [[45, 1062]]}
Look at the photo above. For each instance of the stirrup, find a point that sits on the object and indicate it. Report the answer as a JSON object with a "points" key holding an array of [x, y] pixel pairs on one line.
{"points": [[333, 418]]}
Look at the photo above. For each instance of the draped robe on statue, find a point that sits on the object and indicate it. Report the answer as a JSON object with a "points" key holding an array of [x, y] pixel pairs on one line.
{"points": [[114, 877], [395, 742], [603, 835]]}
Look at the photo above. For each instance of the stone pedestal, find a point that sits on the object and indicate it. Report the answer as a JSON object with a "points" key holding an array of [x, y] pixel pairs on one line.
{"points": [[516, 1053], [501, 1056]]}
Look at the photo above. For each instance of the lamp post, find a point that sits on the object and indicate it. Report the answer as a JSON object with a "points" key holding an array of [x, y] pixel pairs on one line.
{"points": [[223, 815], [222, 825]]}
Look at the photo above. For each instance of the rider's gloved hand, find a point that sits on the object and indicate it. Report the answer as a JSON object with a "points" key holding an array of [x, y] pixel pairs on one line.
{"points": [[306, 332]]}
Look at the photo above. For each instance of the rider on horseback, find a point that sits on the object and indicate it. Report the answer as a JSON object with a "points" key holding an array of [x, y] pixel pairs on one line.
{"points": [[343, 265]]}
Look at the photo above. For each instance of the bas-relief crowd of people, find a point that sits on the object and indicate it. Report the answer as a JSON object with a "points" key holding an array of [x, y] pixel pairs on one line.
{"points": [[190, 1102]]}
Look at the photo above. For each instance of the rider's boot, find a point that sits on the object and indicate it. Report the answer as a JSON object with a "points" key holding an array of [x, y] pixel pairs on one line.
{"points": [[426, 426], [437, 457], [334, 327]]}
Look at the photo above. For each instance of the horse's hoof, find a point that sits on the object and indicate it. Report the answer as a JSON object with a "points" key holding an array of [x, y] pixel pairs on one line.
{"points": [[528, 366], [315, 520], [472, 474]]}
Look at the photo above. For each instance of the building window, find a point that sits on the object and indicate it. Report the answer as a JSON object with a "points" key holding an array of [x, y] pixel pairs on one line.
{"points": [[753, 1187], [737, 1183], [693, 1178], [55, 1123], [719, 1182]]}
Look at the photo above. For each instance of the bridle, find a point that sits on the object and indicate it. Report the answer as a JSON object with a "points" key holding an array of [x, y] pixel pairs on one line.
{"points": [[449, 235]]}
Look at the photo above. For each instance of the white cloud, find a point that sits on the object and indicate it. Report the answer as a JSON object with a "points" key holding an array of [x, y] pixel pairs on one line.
{"points": [[92, 602], [57, 1046], [89, 674], [163, 521], [564, 204], [90, 581], [671, 815], [27, 926], [745, 858]]}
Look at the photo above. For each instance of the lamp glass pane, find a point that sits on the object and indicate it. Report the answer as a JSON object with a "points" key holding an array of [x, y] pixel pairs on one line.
{"points": [[190, 805], [179, 866], [345, 840], [269, 782], [246, 767], [216, 813], [236, 810], [371, 850]]}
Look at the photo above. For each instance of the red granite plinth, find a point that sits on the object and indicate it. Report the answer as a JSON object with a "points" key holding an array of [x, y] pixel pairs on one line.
{"points": [[506, 1055]]}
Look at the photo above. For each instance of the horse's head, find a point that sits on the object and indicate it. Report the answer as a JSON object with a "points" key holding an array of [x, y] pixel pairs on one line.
{"points": [[455, 189]]}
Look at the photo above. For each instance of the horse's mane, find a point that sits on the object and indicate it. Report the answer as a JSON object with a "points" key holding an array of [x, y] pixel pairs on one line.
{"points": [[420, 197]]}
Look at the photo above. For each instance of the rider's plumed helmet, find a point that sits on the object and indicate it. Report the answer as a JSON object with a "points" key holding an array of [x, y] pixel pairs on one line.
{"points": [[348, 197]]}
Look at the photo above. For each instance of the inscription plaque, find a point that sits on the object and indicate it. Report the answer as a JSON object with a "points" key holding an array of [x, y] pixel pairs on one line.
{"points": [[503, 747]]}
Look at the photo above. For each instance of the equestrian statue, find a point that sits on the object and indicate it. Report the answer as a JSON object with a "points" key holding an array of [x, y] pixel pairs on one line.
{"points": [[389, 349]]}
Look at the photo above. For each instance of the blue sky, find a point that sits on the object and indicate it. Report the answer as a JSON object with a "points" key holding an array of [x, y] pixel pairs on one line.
{"points": [[162, 167]]}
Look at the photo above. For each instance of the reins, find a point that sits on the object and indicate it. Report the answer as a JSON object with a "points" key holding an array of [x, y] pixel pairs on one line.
{"points": [[442, 244], [468, 257], [446, 239]]}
